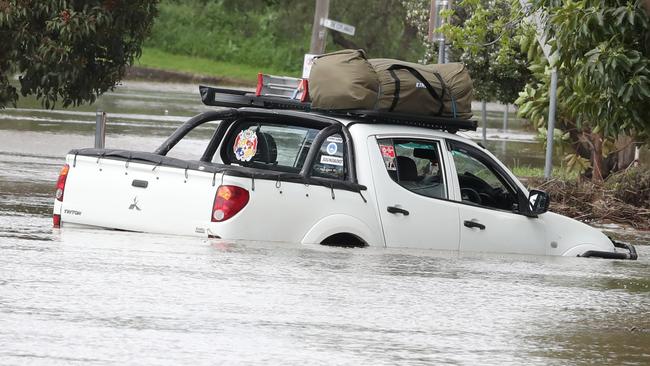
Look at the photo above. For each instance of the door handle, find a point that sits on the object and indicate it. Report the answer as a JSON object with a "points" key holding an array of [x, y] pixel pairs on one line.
{"points": [[140, 183], [396, 210], [472, 224]]}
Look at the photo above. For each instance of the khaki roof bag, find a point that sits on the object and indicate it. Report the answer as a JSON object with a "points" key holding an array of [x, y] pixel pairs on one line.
{"points": [[347, 80], [435, 90], [343, 80]]}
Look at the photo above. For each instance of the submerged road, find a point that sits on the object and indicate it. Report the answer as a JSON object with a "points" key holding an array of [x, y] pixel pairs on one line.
{"points": [[97, 297]]}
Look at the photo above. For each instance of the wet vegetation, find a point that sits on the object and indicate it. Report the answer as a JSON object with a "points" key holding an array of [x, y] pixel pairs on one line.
{"points": [[275, 34], [624, 198]]}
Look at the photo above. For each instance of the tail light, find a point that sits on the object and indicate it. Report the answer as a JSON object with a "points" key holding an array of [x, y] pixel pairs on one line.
{"points": [[56, 221], [60, 184], [228, 201]]}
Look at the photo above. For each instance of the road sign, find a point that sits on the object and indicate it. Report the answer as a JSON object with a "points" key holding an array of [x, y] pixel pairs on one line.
{"points": [[338, 26]]}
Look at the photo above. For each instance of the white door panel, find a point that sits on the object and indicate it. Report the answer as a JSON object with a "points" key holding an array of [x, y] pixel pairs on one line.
{"points": [[489, 221], [409, 219], [487, 230]]}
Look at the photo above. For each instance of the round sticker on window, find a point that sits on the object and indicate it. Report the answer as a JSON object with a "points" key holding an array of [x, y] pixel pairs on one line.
{"points": [[245, 145], [332, 148]]}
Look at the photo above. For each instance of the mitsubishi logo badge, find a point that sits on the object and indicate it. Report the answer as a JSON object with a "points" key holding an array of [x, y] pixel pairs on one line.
{"points": [[134, 204]]}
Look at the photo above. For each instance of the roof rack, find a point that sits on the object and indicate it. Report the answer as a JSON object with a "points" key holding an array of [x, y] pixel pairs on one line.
{"points": [[221, 97]]}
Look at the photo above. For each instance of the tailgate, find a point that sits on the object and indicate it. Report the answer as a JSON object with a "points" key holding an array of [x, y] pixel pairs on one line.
{"points": [[134, 196]]}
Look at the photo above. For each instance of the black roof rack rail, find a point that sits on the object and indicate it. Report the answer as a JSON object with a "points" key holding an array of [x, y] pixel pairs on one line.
{"points": [[221, 97]]}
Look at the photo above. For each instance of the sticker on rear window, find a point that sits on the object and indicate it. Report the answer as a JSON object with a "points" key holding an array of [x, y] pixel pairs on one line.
{"points": [[332, 148], [387, 151], [331, 160], [388, 154], [245, 145], [336, 139], [390, 163]]}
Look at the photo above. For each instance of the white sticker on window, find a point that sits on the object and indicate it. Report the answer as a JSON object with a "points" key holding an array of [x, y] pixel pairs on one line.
{"points": [[390, 163], [332, 148], [331, 160], [336, 139]]}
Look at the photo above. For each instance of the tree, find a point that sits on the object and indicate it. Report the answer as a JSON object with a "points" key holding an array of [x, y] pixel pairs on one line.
{"points": [[381, 28], [274, 34], [601, 50], [484, 36], [69, 50], [602, 53]]}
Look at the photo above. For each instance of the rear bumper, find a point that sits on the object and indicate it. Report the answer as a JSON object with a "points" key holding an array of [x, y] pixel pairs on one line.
{"points": [[628, 252]]}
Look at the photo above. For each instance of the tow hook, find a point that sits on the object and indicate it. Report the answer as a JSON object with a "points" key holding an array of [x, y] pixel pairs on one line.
{"points": [[631, 252]]}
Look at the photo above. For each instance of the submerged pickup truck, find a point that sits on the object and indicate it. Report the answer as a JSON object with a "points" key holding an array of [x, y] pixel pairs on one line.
{"points": [[273, 173]]}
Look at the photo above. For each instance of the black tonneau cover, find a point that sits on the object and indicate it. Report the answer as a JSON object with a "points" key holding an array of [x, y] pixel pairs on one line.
{"points": [[156, 160]]}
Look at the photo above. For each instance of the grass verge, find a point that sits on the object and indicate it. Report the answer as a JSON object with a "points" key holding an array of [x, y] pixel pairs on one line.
{"points": [[537, 172], [157, 59]]}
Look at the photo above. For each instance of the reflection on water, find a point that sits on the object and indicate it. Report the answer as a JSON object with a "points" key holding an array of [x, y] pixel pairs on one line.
{"points": [[106, 297]]}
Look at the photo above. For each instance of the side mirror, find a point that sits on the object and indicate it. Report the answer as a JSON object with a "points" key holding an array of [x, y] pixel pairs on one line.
{"points": [[538, 202]]}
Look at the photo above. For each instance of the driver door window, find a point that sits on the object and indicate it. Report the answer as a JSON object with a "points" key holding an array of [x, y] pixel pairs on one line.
{"points": [[415, 165], [480, 183]]}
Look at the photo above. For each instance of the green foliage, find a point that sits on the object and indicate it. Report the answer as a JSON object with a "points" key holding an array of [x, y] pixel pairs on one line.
{"points": [[484, 35], [69, 50], [276, 34], [381, 28], [162, 60], [527, 171], [575, 163], [602, 50], [247, 32]]}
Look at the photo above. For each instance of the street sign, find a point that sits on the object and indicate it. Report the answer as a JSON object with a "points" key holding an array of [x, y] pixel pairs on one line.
{"points": [[338, 26]]}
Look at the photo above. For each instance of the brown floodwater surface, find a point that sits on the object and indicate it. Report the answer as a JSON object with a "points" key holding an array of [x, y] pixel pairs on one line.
{"points": [[97, 297]]}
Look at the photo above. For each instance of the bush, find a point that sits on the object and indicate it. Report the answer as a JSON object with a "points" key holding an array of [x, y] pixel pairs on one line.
{"points": [[623, 199], [219, 31], [631, 186]]}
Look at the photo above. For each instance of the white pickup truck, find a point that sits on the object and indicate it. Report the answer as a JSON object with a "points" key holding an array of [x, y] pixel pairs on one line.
{"points": [[354, 179]]}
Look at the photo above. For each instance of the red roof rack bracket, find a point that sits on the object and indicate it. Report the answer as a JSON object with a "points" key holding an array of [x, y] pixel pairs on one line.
{"points": [[260, 82], [304, 86]]}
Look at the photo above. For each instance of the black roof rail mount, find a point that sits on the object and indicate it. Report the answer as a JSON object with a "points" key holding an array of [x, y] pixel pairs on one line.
{"points": [[222, 97]]}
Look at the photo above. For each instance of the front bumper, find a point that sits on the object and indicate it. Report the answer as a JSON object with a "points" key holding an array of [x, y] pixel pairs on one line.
{"points": [[628, 252]]}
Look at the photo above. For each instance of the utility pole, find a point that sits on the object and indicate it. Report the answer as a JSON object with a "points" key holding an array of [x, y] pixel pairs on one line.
{"points": [[318, 31], [548, 165], [435, 21], [100, 129]]}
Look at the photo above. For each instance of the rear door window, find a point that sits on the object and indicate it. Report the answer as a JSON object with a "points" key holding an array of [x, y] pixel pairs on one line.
{"points": [[330, 160], [267, 145], [415, 165]]}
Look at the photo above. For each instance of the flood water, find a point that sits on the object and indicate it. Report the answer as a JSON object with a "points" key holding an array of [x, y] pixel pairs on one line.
{"points": [[97, 297]]}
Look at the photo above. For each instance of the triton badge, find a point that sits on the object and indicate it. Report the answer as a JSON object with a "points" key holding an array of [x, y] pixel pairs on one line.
{"points": [[134, 204]]}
